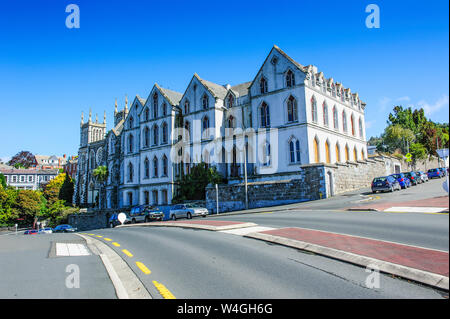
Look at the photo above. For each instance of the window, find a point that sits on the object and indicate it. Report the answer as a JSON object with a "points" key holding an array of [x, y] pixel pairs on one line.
{"points": [[290, 79], [155, 135], [146, 198], [294, 151], [292, 109], [314, 109], [165, 133], [342, 95], [130, 198], [130, 172], [325, 113], [347, 153], [146, 137], [230, 100], [164, 196], [352, 123], [338, 155], [22, 178], [164, 109], [130, 143], [205, 126], [186, 107], [187, 128], [130, 122], [360, 129], [164, 166], [205, 101], [355, 154], [263, 85], [362, 155], [155, 167], [344, 121], [335, 118], [231, 122], [155, 105], [155, 197], [266, 154], [316, 151], [146, 114], [146, 168], [327, 153], [333, 90], [30, 178], [264, 115]]}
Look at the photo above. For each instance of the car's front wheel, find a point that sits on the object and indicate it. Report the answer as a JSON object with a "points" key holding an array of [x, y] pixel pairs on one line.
{"points": [[188, 216], [174, 217]]}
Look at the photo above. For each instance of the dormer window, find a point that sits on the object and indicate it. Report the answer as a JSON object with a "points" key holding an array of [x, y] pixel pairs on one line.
{"points": [[274, 60], [230, 101], [263, 85], [290, 79], [186, 107], [155, 105]]}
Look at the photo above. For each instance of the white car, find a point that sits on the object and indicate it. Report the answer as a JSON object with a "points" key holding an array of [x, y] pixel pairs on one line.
{"points": [[187, 211]]}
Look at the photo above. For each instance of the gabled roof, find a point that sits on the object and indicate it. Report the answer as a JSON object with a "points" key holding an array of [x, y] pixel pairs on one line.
{"points": [[241, 89], [118, 128], [173, 97], [216, 90]]}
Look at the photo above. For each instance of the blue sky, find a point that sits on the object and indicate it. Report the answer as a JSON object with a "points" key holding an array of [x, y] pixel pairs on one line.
{"points": [[49, 73]]}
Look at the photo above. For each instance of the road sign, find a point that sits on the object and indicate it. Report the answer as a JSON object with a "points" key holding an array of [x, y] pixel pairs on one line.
{"points": [[408, 157]]}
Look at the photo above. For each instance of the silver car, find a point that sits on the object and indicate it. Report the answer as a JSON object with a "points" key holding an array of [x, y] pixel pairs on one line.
{"points": [[187, 211], [423, 176]]}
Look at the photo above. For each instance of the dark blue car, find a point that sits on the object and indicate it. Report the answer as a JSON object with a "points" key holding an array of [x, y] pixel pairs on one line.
{"points": [[385, 184], [64, 229], [402, 180], [434, 173], [413, 178]]}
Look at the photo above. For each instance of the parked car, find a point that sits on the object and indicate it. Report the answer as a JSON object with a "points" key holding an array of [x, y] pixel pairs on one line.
{"points": [[31, 232], [413, 178], [145, 213], [114, 221], [64, 229], [443, 170], [47, 230], [188, 211], [423, 176], [402, 180], [434, 173]]}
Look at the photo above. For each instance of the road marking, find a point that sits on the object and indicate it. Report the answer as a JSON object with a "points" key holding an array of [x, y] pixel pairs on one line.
{"points": [[246, 230], [107, 239], [163, 290], [143, 268], [91, 234], [266, 212], [99, 236], [126, 252], [71, 249], [116, 244], [402, 209]]}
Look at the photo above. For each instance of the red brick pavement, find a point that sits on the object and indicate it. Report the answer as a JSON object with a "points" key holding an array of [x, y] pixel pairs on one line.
{"points": [[419, 258], [441, 201], [205, 222]]}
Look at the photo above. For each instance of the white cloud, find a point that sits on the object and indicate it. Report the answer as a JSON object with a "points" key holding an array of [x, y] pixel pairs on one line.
{"points": [[433, 108], [403, 98]]}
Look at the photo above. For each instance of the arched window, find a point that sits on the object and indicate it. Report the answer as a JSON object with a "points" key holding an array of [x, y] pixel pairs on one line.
{"points": [[205, 124], [362, 155], [231, 122], [230, 100], [155, 167], [335, 118], [264, 115], [205, 101], [164, 109], [165, 133], [314, 109], [130, 122], [187, 128], [290, 78], [292, 109], [333, 89], [186, 107], [338, 155], [130, 172], [352, 123], [266, 154], [355, 154], [327, 152], [342, 95], [344, 121], [294, 151], [146, 168], [155, 135], [146, 137], [130, 143], [155, 105], [263, 85], [325, 113], [347, 153], [316, 151], [146, 114], [165, 166], [361, 134]]}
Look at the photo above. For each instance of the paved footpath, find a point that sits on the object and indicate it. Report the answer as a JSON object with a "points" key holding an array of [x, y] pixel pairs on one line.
{"points": [[431, 205], [420, 264]]}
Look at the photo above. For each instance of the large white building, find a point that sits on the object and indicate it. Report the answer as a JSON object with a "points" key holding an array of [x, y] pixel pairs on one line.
{"points": [[288, 115]]}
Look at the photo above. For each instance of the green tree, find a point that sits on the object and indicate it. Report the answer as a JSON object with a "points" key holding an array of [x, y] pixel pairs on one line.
{"points": [[192, 186], [101, 174], [418, 152], [2, 180], [27, 205], [397, 137], [66, 190]]}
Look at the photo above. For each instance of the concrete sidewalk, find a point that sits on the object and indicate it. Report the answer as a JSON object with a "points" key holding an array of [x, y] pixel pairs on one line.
{"points": [[423, 265]]}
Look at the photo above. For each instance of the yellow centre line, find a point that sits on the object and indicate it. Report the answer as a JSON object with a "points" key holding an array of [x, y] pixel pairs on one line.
{"points": [[126, 252], [116, 244], [107, 239], [91, 234], [143, 268], [98, 236], [163, 290], [266, 213]]}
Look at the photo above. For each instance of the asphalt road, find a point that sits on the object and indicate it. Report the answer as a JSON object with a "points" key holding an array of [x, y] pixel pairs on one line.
{"points": [[203, 264]]}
